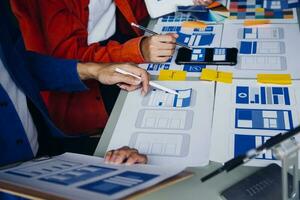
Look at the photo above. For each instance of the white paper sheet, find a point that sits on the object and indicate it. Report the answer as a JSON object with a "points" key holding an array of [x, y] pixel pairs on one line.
{"points": [[263, 49], [75, 176], [247, 114], [171, 134], [158, 8]]}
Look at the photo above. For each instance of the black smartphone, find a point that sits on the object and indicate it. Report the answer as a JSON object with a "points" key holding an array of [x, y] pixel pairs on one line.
{"points": [[207, 56]]}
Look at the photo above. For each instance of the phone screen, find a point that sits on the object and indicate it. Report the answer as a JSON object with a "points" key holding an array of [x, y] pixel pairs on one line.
{"points": [[208, 56]]}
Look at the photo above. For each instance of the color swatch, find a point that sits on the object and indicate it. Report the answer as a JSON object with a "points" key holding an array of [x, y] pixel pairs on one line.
{"points": [[254, 9]]}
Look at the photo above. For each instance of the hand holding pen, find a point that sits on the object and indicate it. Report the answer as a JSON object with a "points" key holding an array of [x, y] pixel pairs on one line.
{"points": [[157, 48], [153, 84]]}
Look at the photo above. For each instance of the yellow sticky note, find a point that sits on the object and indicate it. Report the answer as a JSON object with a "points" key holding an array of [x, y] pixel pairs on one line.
{"points": [[209, 74], [255, 22], [281, 79], [194, 24], [214, 75], [224, 77], [172, 75]]}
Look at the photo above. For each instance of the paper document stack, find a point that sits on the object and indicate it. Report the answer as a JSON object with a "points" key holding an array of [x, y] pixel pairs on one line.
{"points": [[75, 176]]}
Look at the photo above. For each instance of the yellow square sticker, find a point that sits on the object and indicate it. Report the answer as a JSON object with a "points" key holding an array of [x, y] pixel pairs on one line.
{"points": [[224, 77], [172, 75], [209, 74]]}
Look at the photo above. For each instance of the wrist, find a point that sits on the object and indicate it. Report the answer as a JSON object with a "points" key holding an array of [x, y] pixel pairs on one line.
{"points": [[143, 49], [88, 70]]}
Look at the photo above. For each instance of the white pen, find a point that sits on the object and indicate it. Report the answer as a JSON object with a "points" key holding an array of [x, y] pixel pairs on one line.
{"points": [[153, 84]]}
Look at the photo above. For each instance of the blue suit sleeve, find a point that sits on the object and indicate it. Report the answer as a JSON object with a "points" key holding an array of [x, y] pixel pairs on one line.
{"points": [[54, 74]]}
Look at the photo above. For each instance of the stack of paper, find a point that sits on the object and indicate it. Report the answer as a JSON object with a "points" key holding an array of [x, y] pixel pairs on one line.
{"points": [[247, 114], [75, 176]]}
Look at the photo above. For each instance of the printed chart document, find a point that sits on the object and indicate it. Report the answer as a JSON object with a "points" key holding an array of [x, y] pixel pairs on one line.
{"points": [[75, 176], [172, 130], [247, 114], [268, 49], [194, 37], [210, 36]]}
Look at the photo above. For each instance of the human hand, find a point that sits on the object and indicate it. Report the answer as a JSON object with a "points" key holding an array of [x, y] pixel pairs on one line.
{"points": [[106, 74], [125, 155], [203, 2], [158, 48]]}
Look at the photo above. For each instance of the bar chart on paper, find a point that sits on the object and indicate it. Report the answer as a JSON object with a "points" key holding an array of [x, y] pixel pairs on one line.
{"points": [[247, 114], [262, 95]]}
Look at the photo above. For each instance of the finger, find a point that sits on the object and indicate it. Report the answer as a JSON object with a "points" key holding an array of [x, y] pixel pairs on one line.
{"points": [[136, 158], [133, 69], [145, 83], [161, 59], [123, 154], [121, 86], [108, 156], [121, 78], [165, 53], [128, 88], [145, 77], [167, 38], [119, 156], [126, 148], [166, 46]]}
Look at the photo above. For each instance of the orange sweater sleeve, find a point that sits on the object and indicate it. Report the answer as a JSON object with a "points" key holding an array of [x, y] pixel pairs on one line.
{"points": [[64, 24]]}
